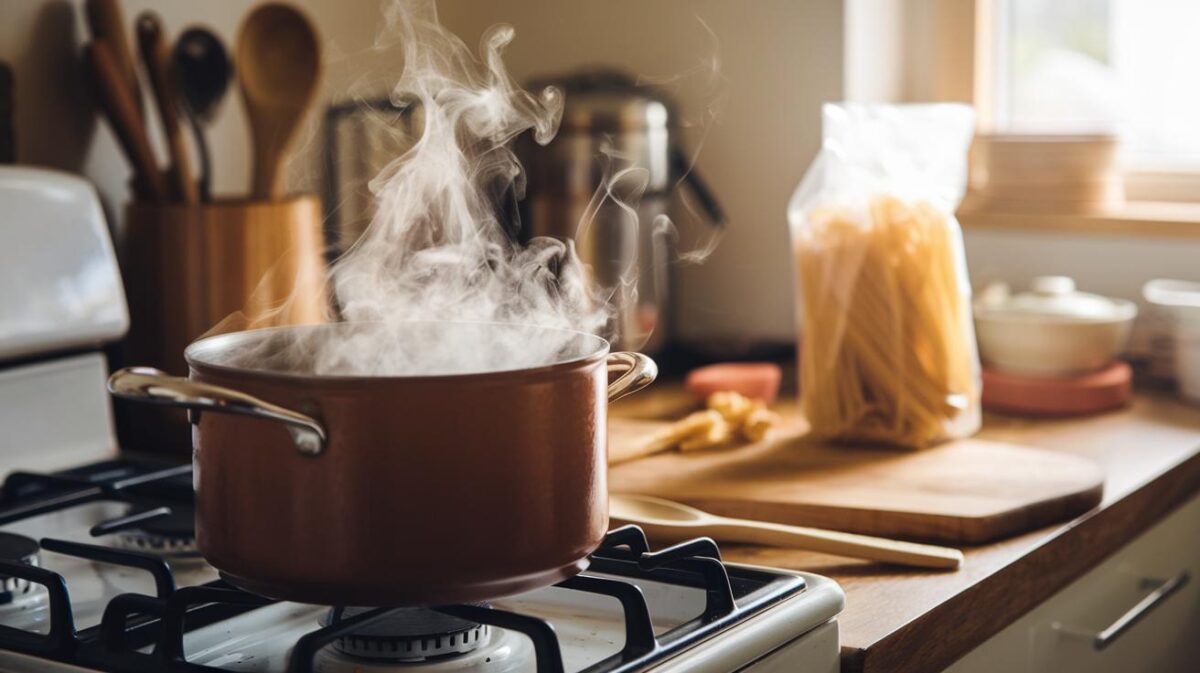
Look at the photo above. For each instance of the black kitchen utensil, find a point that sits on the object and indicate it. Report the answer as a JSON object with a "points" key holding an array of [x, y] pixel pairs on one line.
{"points": [[202, 71]]}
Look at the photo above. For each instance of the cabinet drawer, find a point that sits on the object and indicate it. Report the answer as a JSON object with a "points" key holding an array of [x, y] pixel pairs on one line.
{"points": [[1139, 610]]}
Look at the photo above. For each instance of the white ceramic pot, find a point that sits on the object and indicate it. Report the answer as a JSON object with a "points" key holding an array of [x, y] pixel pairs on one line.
{"points": [[1052, 330], [1181, 300], [1187, 362]]}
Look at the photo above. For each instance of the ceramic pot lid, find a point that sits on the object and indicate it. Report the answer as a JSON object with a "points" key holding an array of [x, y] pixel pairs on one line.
{"points": [[1052, 297]]}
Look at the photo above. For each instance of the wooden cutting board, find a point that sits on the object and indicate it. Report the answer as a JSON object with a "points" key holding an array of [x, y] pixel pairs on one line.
{"points": [[967, 491]]}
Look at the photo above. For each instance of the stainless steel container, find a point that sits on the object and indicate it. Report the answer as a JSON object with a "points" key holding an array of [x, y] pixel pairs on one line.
{"points": [[609, 124]]}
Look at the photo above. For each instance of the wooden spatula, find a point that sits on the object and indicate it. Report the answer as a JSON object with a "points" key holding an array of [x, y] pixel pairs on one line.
{"points": [[672, 521], [279, 65]]}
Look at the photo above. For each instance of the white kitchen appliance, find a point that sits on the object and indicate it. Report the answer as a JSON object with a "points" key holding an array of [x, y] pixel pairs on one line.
{"points": [[99, 568], [61, 299]]}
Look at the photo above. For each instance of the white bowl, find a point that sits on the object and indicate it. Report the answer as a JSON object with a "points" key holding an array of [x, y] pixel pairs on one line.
{"points": [[1181, 299], [1042, 346], [1051, 330], [1187, 362]]}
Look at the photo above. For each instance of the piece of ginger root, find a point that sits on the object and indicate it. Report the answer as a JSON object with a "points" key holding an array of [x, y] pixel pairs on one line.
{"points": [[730, 416], [718, 431], [695, 425], [734, 407], [736, 415], [752, 419], [759, 423]]}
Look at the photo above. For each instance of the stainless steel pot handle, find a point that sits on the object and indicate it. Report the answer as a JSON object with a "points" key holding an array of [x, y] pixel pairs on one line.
{"points": [[146, 384], [638, 370]]}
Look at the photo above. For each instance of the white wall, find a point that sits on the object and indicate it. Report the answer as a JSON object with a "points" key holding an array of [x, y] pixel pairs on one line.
{"points": [[876, 53]]}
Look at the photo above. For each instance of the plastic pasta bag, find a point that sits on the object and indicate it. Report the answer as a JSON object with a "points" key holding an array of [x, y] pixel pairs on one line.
{"points": [[887, 345]]}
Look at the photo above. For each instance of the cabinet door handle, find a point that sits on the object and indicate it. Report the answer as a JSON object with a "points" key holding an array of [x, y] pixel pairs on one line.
{"points": [[1162, 590]]}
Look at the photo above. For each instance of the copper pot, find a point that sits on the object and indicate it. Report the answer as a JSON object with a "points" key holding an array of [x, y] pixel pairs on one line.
{"points": [[352, 489]]}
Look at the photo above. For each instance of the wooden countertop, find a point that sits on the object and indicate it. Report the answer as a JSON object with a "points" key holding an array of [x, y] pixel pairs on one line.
{"points": [[901, 620]]}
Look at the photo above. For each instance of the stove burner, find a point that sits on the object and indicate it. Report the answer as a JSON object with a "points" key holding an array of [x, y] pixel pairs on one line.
{"points": [[17, 549], [173, 533], [409, 634]]}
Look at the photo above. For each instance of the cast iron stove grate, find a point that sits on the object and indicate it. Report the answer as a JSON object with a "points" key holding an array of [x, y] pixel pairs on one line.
{"points": [[142, 633]]}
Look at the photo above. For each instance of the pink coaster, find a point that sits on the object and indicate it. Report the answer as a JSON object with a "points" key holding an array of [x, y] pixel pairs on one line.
{"points": [[1092, 393], [757, 380]]}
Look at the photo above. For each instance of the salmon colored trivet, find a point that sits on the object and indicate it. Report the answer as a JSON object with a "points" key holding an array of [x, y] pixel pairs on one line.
{"points": [[1103, 390], [756, 380]]}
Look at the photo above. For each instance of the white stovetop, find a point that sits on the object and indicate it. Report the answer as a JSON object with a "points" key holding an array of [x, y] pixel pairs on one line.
{"points": [[590, 627]]}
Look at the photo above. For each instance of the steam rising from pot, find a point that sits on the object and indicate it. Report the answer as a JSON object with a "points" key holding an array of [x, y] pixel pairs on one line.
{"points": [[437, 248]]}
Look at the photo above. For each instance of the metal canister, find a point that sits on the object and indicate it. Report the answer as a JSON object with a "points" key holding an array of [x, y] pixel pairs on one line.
{"points": [[615, 136]]}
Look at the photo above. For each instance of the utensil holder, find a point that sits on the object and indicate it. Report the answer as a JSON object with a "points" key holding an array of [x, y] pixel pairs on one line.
{"points": [[215, 267]]}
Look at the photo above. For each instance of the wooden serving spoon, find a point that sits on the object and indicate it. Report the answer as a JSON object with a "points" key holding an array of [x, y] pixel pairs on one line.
{"points": [[279, 65], [107, 23], [672, 521], [116, 101]]}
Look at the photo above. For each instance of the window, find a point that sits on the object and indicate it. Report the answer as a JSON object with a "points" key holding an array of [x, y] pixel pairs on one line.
{"points": [[1084, 66]]}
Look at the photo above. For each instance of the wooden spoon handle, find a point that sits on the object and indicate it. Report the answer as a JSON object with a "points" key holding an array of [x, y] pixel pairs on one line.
{"points": [[834, 542], [118, 105], [107, 23], [155, 57], [266, 180]]}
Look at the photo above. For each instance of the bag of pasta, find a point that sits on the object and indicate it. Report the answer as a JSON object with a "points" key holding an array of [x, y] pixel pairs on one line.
{"points": [[887, 344]]}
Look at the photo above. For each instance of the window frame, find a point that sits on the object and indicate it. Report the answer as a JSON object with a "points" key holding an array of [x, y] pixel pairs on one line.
{"points": [[964, 33]]}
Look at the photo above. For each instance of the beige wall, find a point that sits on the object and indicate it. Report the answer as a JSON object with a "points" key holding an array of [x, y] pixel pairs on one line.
{"points": [[779, 59]]}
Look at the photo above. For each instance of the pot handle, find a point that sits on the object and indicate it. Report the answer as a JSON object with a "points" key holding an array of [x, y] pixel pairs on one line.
{"points": [[638, 371], [146, 384]]}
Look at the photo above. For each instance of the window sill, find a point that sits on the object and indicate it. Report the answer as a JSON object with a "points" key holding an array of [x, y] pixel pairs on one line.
{"points": [[1153, 219]]}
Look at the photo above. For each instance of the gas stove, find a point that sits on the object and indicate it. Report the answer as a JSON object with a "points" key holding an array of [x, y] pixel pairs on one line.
{"points": [[99, 568], [99, 572]]}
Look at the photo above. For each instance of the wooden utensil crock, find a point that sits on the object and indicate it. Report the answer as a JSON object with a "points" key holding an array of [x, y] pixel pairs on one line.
{"points": [[209, 268]]}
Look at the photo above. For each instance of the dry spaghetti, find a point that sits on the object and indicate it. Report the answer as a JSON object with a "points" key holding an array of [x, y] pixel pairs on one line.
{"points": [[888, 352]]}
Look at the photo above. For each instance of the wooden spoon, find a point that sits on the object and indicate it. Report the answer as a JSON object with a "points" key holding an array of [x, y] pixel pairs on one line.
{"points": [[155, 58], [279, 65], [107, 23], [117, 103], [672, 521]]}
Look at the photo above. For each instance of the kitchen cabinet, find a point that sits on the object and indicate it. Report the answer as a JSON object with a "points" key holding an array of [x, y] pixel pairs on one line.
{"points": [[1057, 636]]}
